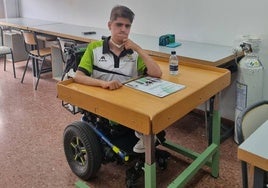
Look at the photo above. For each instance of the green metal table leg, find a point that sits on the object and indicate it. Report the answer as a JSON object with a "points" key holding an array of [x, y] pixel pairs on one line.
{"points": [[80, 184], [149, 165], [216, 127], [150, 175], [208, 157], [193, 168]]}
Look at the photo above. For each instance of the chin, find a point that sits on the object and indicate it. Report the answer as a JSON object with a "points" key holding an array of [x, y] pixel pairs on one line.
{"points": [[122, 36]]}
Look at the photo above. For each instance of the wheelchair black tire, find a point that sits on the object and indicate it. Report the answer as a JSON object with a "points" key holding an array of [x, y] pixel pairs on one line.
{"points": [[82, 150]]}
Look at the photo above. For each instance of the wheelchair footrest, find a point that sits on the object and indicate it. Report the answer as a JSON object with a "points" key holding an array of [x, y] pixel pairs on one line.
{"points": [[134, 173]]}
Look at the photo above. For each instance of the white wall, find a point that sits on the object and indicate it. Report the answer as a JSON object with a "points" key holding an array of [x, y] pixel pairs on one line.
{"points": [[2, 10], [210, 21], [11, 8]]}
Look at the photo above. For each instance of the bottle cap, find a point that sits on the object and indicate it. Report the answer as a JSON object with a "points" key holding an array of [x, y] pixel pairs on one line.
{"points": [[173, 52]]}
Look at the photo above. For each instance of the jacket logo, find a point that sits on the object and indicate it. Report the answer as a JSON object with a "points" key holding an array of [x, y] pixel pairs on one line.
{"points": [[102, 59], [129, 58]]}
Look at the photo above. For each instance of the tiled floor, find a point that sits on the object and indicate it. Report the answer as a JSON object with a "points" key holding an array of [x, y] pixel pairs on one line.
{"points": [[31, 149]]}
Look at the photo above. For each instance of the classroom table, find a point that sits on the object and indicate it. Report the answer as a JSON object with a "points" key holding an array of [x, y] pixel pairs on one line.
{"points": [[189, 51], [255, 152], [24, 23], [149, 114], [72, 31]]}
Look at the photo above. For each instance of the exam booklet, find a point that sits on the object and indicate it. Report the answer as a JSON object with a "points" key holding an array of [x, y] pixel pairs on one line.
{"points": [[155, 86]]}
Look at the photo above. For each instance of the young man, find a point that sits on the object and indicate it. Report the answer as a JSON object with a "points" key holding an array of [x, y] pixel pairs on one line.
{"points": [[110, 62]]}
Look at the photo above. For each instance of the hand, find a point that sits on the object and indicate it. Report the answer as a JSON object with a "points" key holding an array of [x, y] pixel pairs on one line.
{"points": [[114, 84], [129, 44]]}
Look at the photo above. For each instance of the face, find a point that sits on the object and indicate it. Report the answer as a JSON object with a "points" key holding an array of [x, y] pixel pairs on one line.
{"points": [[120, 29]]}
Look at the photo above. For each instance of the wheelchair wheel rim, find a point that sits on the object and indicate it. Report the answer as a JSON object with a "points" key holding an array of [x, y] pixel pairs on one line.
{"points": [[79, 151]]}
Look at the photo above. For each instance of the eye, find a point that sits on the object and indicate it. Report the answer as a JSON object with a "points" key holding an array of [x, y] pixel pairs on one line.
{"points": [[121, 25], [127, 25]]}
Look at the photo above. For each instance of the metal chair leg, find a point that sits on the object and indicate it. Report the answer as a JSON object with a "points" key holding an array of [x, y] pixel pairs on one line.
{"points": [[39, 73], [5, 61], [244, 174], [26, 67], [259, 177], [13, 64]]}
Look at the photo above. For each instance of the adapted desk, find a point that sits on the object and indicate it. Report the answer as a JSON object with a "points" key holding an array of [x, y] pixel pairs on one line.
{"points": [[149, 114], [254, 151]]}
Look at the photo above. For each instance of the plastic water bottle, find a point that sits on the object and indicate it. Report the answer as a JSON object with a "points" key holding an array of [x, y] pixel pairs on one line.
{"points": [[173, 63]]}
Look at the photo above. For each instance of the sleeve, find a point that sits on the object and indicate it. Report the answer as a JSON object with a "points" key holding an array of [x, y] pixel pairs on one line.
{"points": [[86, 62], [142, 70]]}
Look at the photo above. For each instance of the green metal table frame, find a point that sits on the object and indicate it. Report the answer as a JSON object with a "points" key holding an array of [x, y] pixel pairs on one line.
{"points": [[209, 157]]}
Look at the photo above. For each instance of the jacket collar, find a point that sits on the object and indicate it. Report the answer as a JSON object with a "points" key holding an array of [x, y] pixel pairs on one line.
{"points": [[106, 48]]}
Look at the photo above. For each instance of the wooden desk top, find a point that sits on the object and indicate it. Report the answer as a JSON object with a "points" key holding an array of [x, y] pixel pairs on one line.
{"points": [[254, 149], [141, 111]]}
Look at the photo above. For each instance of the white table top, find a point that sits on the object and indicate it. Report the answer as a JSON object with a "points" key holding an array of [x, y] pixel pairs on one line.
{"points": [[25, 22], [190, 49], [257, 142], [73, 30]]}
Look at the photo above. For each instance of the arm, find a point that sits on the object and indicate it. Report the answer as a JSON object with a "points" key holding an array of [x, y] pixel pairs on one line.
{"points": [[152, 67], [82, 78]]}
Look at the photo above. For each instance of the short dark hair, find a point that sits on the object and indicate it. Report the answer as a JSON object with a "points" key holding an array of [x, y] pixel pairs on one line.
{"points": [[121, 11]]}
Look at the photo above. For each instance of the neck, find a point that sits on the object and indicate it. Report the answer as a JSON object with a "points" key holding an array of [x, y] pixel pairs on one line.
{"points": [[117, 45]]}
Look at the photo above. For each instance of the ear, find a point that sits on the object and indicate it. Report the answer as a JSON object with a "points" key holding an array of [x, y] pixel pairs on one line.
{"points": [[109, 25]]}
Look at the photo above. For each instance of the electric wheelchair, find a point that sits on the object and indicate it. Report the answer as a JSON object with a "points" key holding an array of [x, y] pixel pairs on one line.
{"points": [[94, 141]]}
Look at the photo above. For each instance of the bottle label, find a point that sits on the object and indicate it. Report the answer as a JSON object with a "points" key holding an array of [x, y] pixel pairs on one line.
{"points": [[173, 67]]}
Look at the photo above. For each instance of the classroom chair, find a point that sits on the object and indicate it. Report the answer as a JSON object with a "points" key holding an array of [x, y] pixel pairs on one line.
{"points": [[247, 122], [5, 50], [37, 54]]}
